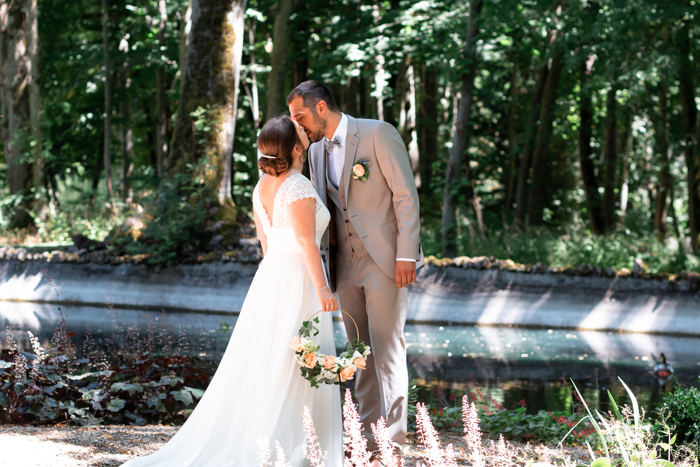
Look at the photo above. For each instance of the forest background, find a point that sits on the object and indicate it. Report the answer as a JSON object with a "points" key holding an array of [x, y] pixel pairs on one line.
{"points": [[561, 132]]}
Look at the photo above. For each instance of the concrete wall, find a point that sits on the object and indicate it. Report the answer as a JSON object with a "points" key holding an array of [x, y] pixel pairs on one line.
{"points": [[442, 295]]}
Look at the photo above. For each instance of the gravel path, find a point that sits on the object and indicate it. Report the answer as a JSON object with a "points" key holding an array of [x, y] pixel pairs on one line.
{"points": [[55, 446]]}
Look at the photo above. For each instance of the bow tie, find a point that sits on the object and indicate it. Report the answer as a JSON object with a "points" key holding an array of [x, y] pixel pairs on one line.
{"points": [[330, 144]]}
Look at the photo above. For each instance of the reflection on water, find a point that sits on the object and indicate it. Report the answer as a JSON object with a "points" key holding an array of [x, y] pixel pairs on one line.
{"points": [[509, 364]]}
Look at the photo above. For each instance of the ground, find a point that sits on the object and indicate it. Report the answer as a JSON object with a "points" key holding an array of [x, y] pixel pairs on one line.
{"points": [[57, 446]]}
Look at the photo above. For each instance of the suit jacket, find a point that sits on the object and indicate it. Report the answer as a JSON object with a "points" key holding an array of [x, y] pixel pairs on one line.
{"points": [[384, 209]]}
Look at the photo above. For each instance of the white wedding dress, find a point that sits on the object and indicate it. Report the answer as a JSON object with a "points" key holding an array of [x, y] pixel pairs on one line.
{"points": [[258, 391]]}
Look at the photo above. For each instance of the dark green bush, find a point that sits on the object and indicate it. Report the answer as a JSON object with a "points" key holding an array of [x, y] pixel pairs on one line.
{"points": [[682, 407], [149, 380]]}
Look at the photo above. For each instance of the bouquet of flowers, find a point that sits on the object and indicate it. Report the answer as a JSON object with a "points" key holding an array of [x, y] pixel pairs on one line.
{"points": [[326, 369]]}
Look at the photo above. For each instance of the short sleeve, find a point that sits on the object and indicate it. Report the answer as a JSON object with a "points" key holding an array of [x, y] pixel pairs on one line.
{"points": [[301, 189]]}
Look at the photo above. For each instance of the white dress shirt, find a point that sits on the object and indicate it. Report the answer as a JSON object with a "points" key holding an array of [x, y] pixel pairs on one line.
{"points": [[336, 159]]}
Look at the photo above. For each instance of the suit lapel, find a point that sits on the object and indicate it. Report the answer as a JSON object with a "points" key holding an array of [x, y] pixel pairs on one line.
{"points": [[319, 174], [351, 142]]}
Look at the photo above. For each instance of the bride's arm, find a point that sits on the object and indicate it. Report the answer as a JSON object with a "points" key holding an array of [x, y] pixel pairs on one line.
{"points": [[302, 214], [260, 233]]}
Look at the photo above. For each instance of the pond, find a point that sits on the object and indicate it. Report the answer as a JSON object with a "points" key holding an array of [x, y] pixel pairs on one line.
{"points": [[512, 365]]}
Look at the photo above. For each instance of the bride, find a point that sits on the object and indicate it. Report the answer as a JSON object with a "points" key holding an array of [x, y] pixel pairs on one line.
{"points": [[258, 394]]}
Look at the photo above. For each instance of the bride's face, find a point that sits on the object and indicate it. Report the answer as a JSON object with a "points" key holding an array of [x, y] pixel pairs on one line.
{"points": [[302, 136]]}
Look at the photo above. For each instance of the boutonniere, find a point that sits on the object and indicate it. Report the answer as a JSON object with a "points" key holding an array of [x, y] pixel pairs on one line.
{"points": [[360, 171]]}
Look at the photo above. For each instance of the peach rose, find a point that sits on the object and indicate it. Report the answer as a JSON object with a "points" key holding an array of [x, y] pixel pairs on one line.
{"points": [[295, 343], [360, 363], [346, 373], [358, 170], [310, 360], [329, 362]]}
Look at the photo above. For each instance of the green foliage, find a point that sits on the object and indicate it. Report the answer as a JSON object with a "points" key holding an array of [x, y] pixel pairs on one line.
{"points": [[630, 437], [542, 427], [681, 409], [173, 222], [573, 247], [148, 381]]}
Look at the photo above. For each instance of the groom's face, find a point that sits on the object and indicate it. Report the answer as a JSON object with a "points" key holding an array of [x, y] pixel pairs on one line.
{"points": [[311, 120]]}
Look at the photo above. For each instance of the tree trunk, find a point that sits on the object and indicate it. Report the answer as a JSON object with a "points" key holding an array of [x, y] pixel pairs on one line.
{"points": [[238, 22], [627, 154], [529, 138], [15, 77], [686, 81], [127, 142], [300, 43], [428, 127], [611, 160], [161, 104], [149, 130], [35, 108], [209, 86], [108, 105], [461, 136], [411, 123], [280, 39], [185, 27], [512, 137], [540, 155], [253, 96], [661, 143], [590, 181]]}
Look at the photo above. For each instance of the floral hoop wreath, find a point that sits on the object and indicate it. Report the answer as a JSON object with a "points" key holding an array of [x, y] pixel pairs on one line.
{"points": [[327, 369]]}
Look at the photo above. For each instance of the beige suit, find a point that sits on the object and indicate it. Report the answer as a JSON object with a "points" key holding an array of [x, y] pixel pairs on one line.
{"points": [[373, 223]]}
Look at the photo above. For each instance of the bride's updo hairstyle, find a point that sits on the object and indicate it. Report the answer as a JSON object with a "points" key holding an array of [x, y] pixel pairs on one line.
{"points": [[276, 143]]}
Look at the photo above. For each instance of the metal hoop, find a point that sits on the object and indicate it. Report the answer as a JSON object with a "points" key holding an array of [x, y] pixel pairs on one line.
{"points": [[357, 330]]}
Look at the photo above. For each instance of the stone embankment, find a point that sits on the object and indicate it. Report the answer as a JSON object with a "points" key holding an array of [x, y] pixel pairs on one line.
{"points": [[481, 291]]}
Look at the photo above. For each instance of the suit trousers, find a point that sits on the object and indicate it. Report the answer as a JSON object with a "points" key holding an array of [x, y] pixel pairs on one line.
{"points": [[379, 307]]}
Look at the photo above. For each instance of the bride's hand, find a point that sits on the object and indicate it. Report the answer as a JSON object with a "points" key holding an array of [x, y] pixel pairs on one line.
{"points": [[327, 299]]}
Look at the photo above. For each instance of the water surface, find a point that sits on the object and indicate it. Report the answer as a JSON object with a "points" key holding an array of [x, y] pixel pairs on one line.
{"points": [[509, 364]]}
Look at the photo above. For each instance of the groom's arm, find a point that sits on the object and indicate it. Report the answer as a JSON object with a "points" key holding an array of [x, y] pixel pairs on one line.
{"points": [[395, 165]]}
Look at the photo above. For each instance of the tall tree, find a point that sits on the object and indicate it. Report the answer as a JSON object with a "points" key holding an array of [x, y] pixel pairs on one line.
{"points": [[209, 93], [461, 136], [611, 159], [15, 76], [585, 153], [512, 137], [661, 147], [127, 138], [540, 155], [686, 81], [161, 102], [35, 107], [108, 103], [428, 125], [278, 60], [528, 146]]}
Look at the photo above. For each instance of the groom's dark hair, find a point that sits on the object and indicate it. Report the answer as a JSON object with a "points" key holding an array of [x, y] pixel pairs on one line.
{"points": [[312, 92]]}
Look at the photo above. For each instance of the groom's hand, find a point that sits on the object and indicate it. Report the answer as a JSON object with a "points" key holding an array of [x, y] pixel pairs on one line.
{"points": [[405, 273]]}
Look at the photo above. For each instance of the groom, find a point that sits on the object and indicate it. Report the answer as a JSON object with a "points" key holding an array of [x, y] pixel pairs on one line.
{"points": [[372, 246]]}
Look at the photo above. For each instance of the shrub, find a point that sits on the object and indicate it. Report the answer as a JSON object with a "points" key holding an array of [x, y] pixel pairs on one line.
{"points": [[681, 409], [151, 380]]}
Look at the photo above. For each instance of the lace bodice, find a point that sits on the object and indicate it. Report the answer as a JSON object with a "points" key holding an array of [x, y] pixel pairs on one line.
{"points": [[279, 232]]}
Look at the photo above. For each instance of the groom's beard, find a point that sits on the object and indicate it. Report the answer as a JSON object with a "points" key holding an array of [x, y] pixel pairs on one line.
{"points": [[320, 129]]}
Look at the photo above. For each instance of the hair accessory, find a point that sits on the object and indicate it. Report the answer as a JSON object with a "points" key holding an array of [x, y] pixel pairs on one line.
{"points": [[266, 156]]}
